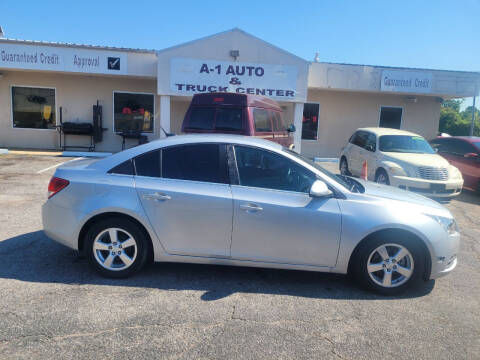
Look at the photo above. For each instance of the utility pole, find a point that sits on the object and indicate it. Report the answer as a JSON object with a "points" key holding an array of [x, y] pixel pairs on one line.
{"points": [[474, 112]]}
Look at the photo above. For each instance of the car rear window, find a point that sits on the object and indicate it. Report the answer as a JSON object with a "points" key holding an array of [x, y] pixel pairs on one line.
{"points": [[201, 118], [229, 119]]}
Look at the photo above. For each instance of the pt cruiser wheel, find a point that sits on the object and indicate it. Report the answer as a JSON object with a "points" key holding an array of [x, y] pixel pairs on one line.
{"points": [[388, 267], [116, 247], [382, 177]]}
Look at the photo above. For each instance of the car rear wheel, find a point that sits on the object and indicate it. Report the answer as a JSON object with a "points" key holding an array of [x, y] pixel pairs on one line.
{"points": [[344, 167], [389, 266], [382, 177], [116, 247]]}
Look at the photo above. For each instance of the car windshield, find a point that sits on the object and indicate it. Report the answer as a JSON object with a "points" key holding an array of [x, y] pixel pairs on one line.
{"points": [[345, 181], [405, 144]]}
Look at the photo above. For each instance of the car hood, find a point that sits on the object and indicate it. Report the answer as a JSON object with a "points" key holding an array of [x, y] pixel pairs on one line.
{"points": [[433, 160], [392, 193]]}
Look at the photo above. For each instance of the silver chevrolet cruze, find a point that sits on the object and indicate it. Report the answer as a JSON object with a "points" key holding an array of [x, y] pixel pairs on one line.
{"points": [[233, 200]]}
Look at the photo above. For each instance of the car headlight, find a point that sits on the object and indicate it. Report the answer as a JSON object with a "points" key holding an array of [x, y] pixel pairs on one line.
{"points": [[455, 173], [397, 170], [448, 224]]}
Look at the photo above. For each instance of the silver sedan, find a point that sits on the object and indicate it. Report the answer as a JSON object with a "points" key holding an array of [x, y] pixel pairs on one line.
{"points": [[233, 200]]}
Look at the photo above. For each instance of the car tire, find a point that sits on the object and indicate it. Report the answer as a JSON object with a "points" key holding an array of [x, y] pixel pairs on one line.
{"points": [[389, 273], [116, 247], [344, 167], [382, 177]]}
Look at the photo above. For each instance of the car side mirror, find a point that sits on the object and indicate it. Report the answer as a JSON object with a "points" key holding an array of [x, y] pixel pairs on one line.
{"points": [[291, 128], [471, 155], [319, 189]]}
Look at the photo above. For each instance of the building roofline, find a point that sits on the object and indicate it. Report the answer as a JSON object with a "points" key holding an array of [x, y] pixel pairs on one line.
{"points": [[72, 45], [235, 29], [397, 67]]}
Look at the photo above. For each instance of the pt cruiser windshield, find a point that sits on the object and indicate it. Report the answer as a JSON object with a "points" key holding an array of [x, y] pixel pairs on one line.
{"points": [[405, 144]]}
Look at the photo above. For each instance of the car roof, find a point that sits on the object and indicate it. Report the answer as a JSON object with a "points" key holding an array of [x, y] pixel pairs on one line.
{"points": [[387, 131], [470, 139], [186, 139], [228, 99]]}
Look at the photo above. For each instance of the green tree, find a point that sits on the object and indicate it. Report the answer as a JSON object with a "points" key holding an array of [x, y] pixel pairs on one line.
{"points": [[453, 104], [456, 122]]}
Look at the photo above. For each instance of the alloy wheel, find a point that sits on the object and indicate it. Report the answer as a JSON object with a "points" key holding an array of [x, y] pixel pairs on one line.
{"points": [[115, 249], [382, 179], [390, 265]]}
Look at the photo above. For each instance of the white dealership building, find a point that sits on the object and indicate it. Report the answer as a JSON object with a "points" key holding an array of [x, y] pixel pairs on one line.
{"points": [[150, 90]]}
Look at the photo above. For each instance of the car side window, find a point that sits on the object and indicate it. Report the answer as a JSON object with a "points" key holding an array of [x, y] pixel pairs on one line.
{"points": [[371, 143], [125, 168], [278, 122], [438, 145], [264, 169], [460, 147], [195, 162], [148, 164], [360, 139], [261, 118], [229, 119], [352, 138]]}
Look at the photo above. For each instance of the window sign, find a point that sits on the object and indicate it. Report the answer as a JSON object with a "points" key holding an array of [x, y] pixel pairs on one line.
{"points": [[133, 111], [33, 108], [310, 121]]}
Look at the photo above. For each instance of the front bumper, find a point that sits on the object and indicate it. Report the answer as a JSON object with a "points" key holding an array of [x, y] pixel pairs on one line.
{"points": [[435, 188], [445, 258]]}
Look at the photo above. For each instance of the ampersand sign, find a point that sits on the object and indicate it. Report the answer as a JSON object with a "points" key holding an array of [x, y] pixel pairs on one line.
{"points": [[235, 81]]}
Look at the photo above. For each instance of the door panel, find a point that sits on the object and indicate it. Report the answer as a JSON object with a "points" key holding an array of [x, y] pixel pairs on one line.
{"points": [[285, 227], [190, 218]]}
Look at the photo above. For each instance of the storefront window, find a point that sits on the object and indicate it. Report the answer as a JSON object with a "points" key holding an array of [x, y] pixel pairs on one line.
{"points": [[390, 117], [310, 121], [133, 111], [33, 108]]}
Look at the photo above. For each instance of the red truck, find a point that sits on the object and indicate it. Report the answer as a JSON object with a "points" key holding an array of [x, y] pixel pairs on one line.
{"points": [[242, 114]]}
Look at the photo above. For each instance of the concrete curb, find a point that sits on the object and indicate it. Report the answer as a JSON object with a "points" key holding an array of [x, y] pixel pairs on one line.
{"points": [[84, 154], [332, 160]]}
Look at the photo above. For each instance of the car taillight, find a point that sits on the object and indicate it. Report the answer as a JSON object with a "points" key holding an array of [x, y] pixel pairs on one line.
{"points": [[55, 185]]}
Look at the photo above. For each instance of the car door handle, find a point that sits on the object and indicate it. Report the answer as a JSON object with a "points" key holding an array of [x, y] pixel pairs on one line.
{"points": [[251, 207], [156, 197]]}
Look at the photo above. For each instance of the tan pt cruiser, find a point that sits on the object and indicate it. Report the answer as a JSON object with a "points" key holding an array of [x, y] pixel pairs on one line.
{"points": [[401, 159]]}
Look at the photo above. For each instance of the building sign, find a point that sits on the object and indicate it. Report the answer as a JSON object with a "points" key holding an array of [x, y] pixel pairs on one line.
{"points": [[406, 81], [191, 76], [32, 57]]}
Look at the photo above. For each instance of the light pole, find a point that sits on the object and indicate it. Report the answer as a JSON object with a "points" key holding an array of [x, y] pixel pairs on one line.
{"points": [[474, 113]]}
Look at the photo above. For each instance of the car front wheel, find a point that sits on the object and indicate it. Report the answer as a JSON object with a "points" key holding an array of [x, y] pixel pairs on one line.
{"points": [[382, 177], [116, 247], [389, 266]]}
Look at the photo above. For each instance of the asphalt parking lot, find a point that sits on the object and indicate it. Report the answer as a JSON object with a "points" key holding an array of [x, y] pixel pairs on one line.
{"points": [[53, 306]]}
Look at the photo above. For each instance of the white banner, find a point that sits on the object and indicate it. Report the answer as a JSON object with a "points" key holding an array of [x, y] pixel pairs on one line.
{"points": [[406, 81], [32, 57], [191, 76]]}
